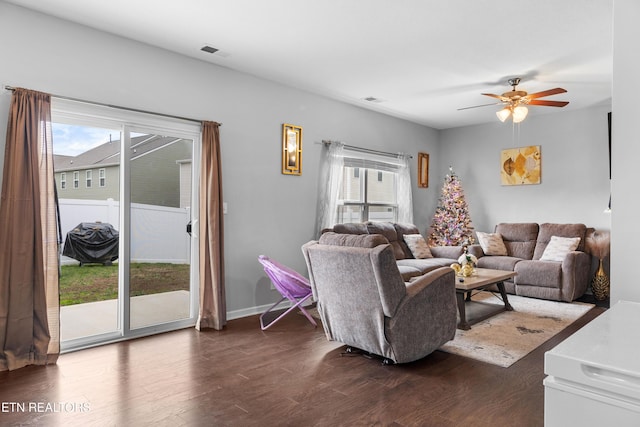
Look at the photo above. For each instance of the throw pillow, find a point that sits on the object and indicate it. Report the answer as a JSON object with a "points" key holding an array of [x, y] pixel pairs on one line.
{"points": [[418, 246], [559, 247], [491, 243]]}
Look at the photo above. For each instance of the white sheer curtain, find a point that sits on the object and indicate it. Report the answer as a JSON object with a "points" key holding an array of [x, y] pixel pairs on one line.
{"points": [[404, 193], [329, 188], [338, 155]]}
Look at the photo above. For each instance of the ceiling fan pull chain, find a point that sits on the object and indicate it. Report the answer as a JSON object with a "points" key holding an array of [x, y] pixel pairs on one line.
{"points": [[515, 133]]}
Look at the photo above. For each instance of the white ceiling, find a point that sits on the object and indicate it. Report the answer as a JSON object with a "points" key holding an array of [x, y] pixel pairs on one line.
{"points": [[422, 59]]}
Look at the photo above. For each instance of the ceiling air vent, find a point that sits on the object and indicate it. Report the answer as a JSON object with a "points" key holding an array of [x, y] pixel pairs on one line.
{"points": [[208, 49], [372, 99]]}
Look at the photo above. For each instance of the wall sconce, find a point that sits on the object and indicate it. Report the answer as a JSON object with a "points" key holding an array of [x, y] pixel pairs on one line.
{"points": [[291, 149], [423, 170]]}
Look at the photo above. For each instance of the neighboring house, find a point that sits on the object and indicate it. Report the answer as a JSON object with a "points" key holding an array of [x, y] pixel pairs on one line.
{"points": [[370, 189], [95, 174], [185, 183]]}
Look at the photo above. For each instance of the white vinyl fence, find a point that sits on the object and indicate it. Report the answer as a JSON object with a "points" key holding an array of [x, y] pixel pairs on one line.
{"points": [[159, 234]]}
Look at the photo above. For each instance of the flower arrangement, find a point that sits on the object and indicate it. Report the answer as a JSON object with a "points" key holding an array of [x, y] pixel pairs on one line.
{"points": [[468, 259], [598, 244], [466, 265]]}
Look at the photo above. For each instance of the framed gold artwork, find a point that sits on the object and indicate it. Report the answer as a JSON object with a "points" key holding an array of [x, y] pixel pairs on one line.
{"points": [[423, 170], [291, 149], [521, 166]]}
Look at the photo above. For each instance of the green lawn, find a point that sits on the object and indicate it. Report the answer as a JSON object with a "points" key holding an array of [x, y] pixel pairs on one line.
{"points": [[96, 282]]}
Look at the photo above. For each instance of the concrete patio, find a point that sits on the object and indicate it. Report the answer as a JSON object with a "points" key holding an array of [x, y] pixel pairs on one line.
{"points": [[82, 320]]}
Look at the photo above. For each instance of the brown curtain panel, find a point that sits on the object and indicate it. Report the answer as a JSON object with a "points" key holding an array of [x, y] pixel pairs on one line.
{"points": [[213, 307], [29, 298]]}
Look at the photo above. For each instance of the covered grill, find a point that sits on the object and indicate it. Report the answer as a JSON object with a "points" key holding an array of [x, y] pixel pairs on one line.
{"points": [[92, 242]]}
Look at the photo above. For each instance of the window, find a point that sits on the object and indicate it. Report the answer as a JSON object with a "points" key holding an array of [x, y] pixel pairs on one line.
{"points": [[76, 179], [368, 191], [102, 178], [380, 190], [63, 180], [89, 177]]}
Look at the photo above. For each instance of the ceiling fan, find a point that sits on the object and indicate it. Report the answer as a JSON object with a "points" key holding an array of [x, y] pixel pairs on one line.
{"points": [[515, 101]]}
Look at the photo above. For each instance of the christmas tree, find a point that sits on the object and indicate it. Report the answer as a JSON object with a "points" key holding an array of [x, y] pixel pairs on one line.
{"points": [[451, 225]]}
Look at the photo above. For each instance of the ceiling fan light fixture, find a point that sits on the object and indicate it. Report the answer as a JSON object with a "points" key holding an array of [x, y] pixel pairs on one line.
{"points": [[519, 113], [504, 114], [515, 101]]}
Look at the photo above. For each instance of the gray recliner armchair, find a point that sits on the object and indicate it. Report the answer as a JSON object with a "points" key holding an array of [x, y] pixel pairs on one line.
{"points": [[364, 303]]}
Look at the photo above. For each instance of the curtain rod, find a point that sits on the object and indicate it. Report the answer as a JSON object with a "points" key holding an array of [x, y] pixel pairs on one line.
{"points": [[135, 110], [368, 150]]}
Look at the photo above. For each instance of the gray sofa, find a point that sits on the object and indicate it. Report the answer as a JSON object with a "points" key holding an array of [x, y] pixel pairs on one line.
{"points": [[442, 256], [364, 302], [525, 243]]}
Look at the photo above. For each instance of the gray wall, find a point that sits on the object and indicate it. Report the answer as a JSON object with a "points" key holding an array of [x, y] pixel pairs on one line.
{"points": [[274, 214], [575, 169], [268, 213], [625, 149]]}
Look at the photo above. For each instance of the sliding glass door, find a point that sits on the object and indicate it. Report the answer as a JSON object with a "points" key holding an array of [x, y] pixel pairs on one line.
{"points": [[89, 225], [160, 238], [137, 183]]}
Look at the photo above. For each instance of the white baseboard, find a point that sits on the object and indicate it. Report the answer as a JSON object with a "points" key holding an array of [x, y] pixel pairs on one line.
{"points": [[246, 312]]}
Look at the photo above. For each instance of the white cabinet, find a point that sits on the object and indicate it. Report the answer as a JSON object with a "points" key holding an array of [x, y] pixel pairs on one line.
{"points": [[593, 377]]}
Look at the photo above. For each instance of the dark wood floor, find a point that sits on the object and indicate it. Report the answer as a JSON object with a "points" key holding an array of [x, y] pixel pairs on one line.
{"points": [[289, 375]]}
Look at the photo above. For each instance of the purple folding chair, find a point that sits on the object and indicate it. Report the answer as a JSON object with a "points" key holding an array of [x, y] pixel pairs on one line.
{"points": [[290, 284]]}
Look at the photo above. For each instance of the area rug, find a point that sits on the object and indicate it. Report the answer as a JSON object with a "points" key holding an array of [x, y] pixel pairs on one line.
{"points": [[509, 336]]}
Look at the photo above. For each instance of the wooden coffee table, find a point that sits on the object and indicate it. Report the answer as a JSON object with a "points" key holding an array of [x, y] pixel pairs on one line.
{"points": [[475, 311]]}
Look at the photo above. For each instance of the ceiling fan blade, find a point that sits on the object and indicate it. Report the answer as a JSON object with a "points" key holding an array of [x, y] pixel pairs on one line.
{"points": [[548, 103], [500, 97], [546, 93], [478, 106]]}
